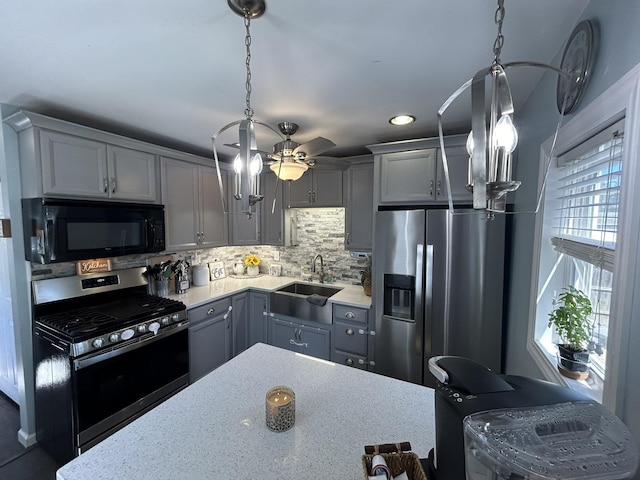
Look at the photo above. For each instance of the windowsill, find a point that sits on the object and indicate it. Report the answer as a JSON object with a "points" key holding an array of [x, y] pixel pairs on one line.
{"points": [[592, 387]]}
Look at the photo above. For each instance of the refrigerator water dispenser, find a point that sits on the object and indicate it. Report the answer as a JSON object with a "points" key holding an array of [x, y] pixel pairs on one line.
{"points": [[399, 296]]}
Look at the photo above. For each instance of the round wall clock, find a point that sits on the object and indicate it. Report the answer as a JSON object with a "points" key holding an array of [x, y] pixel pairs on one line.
{"points": [[577, 60]]}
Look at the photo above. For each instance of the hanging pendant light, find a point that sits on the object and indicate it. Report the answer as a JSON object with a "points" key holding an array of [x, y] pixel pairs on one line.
{"points": [[493, 138], [247, 164]]}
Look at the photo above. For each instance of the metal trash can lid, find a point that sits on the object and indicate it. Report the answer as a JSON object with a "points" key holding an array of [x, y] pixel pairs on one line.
{"points": [[563, 441]]}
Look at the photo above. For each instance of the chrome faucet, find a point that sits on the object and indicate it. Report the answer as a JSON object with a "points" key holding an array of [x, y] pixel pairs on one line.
{"points": [[313, 267]]}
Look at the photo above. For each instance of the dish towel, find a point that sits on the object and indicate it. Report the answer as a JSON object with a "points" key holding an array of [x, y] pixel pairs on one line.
{"points": [[316, 299]]}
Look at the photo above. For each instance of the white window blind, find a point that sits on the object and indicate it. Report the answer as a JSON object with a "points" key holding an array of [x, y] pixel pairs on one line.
{"points": [[586, 219]]}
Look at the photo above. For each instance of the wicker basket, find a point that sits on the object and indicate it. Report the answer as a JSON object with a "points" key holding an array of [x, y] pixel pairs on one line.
{"points": [[399, 458]]}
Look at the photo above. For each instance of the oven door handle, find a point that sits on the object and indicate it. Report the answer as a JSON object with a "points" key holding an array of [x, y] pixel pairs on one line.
{"points": [[116, 351]]}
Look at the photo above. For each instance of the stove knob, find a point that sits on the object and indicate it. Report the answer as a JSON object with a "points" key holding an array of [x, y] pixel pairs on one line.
{"points": [[114, 337], [175, 317], [97, 343], [142, 328], [164, 320], [154, 327], [127, 334]]}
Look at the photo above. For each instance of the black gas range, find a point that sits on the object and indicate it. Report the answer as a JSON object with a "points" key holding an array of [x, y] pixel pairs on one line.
{"points": [[105, 352]]}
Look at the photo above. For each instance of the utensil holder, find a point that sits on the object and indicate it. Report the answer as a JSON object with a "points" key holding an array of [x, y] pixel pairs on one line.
{"points": [[162, 288]]}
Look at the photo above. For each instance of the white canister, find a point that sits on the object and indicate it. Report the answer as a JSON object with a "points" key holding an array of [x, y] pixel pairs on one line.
{"points": [[200, 275]]}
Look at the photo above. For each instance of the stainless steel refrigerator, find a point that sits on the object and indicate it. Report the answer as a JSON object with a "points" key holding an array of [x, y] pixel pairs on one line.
{"points": [[437, 289]]}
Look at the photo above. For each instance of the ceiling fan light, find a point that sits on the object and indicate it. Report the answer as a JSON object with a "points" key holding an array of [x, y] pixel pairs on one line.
{"points": [[402, 120], [288, 170]]}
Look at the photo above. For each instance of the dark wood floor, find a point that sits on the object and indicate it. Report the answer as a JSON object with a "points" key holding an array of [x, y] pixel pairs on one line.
{"points": [[17, 462]]}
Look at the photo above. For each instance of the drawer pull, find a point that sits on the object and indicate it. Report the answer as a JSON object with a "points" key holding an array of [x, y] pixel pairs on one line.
{"points": [[349, 331], [293, 342], [350, 315], [349, 361], [211, 311]]}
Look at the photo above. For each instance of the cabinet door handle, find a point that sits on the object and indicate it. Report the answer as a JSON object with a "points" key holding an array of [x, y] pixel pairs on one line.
{"points": [[348, 238], [113, 184], [431, 187], [313, 197], [350, 315], [309, 196], [301, 344], [349, 331], [438, 187], [105, 184], [349, 361]]}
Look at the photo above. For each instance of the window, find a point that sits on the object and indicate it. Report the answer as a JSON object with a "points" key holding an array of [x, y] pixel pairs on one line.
{"points": [[580, 225]]}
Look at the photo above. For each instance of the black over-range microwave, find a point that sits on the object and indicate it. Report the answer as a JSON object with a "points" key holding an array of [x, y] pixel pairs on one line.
{"points": [[68, 230]]}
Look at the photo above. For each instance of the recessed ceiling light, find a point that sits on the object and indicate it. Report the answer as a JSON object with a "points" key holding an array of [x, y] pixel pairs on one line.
{"points": [[402, 120]]}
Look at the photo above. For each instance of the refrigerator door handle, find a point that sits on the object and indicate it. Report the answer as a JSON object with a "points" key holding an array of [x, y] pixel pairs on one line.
{"points": [[419, 303], [427, 334]]}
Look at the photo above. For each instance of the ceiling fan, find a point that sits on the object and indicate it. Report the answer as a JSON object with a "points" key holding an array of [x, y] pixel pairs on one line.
{"points": [[291, 159]]}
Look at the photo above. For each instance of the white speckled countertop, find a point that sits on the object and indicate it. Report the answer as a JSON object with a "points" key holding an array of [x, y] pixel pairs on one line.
{"points": [[215, 428], [349, 295]]}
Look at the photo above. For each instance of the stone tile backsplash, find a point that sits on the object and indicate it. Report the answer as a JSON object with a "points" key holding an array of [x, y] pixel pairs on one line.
{"points": [[320, 231]]}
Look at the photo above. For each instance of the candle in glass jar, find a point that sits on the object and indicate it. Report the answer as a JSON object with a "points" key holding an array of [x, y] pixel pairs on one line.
{"points": [[280, 408]]}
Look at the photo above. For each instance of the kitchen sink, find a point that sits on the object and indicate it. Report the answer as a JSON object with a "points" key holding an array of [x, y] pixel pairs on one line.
{"points": [[305, 301], [309, 289]]}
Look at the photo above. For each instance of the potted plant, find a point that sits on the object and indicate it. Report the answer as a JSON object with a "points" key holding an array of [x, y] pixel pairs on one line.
{"points": [[365, 277], [572, 322], [252, 263]]}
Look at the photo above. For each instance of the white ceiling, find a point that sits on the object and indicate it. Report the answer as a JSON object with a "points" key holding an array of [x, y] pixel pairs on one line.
{"points": [[173, 72]]}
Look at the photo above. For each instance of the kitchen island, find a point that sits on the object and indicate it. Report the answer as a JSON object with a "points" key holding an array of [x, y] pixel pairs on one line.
{"points": [[215, 428]]}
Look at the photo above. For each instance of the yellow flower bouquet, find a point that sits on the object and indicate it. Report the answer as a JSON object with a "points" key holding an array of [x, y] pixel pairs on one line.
{"points": [[252, 260]]}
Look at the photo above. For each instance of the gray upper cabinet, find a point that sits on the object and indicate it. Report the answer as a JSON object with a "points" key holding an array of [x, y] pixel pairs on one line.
{"points": [[359, 206], [264, 227], [131, 174], [194, 213], [318, 187], [62, 159], [408, 176], [412, 172], [73, 166]]}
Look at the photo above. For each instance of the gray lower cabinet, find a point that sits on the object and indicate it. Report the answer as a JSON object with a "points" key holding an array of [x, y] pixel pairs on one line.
{"points": [[239, 327], [209, 339], [351, 336], [257, 319], [301, 338]]}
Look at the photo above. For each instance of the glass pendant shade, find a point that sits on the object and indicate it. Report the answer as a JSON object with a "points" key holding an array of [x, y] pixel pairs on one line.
{"points": [[288, 170]]}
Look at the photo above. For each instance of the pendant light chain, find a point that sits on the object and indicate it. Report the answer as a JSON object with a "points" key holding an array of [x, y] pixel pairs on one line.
{"points": [[499, 41], [247, 41]]}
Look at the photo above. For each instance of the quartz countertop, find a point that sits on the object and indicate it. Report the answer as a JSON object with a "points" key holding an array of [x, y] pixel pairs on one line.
{"points": [[215, 428], [195, 296]]}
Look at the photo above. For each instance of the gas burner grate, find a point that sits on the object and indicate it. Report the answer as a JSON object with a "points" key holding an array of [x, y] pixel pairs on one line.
{"points": [[77, 322]]}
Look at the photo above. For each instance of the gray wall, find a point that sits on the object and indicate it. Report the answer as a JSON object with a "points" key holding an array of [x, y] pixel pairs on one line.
{"points": [[618, 53]]}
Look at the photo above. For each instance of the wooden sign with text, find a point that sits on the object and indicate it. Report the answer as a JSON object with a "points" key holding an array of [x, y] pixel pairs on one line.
{"points": [[97, 265]]}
